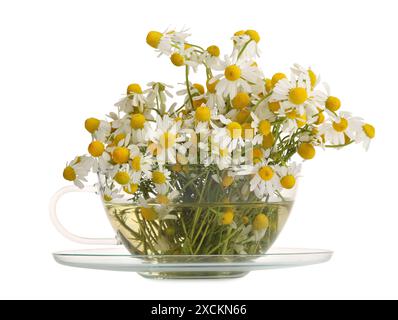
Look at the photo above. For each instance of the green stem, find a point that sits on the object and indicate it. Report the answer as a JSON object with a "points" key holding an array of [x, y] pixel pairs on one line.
{"points": [[243, 49], [198, 210], [187, 84], [339, 145]]}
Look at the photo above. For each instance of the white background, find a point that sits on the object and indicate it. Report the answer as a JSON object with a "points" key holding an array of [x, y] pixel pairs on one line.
{"points": [[64, 61]]}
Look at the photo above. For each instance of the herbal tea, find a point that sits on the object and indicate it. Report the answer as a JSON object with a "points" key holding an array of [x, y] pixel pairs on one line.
{"points": [[207, 229]]}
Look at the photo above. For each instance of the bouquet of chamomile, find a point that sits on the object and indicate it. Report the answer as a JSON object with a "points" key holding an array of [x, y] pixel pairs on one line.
{"points": [[216, 172]]}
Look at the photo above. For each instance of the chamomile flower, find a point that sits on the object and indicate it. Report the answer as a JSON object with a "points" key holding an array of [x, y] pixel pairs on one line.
{"points": [[147, 210], [246, 44], [77, 170], [135, 126], [168, 139], [203, 117], [160, 177], [163, 42], [293, 94], [325, 100], [164, 209], [298, 70], [211, 97], [237, 77], [262, 128], [211, 57], [186, 55], [260, 226], [288, 175], [240, 103], [140, 164], [157, 90], [337, 130], [222, 157], [103, 131], [109, 194], [229, 136], [196, 92], [122, 176], [264, 181], [99, 129], [101, 156], [365, 134], [293, 121]]}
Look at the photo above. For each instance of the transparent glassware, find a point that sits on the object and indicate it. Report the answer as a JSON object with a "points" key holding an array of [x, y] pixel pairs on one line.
{"points": [[212, 214], [207, 217]]}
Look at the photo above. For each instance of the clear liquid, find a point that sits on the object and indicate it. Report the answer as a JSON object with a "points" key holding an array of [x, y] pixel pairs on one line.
{"points": [[198, 229]]}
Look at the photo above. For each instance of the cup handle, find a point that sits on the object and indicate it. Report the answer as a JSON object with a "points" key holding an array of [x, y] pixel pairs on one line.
{"points": [[58, 225]]}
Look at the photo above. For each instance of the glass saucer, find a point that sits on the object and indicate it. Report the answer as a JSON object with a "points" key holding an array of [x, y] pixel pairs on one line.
{"points": [[188, 266]]}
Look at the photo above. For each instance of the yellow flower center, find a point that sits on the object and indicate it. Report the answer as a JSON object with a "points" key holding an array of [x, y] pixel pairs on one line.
{"points": [[347, 139], [369, 130], [120, 155], [134, 88], [241, 100], [214, 51], [199, 87], [257, 155], [227, 217], [162, 199], [211, 87], [131, 189], [158, 177], [274, 106], [198, 103], [321, 117], [301, 120], [177, 167], [264, 127], [266, 173], [239, 33], [232, 73], [227, 181], [96, 148], [288, 181], [69, 173], [268, 85], [243, 116], [234, 129], [298, 95], [340, 126], [168, 140], [253, 34], [268, 141], [137, 121], [177, 59], [306, 151], [312, 76], [202, 114], [260, 222], [224, 152], [291, 114], [136, 163], [245, 220], [122, 178], [333, 103], [91, 124], [119, 137], [276, 77], [153, 38], [107, 197], [148, 214]]}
